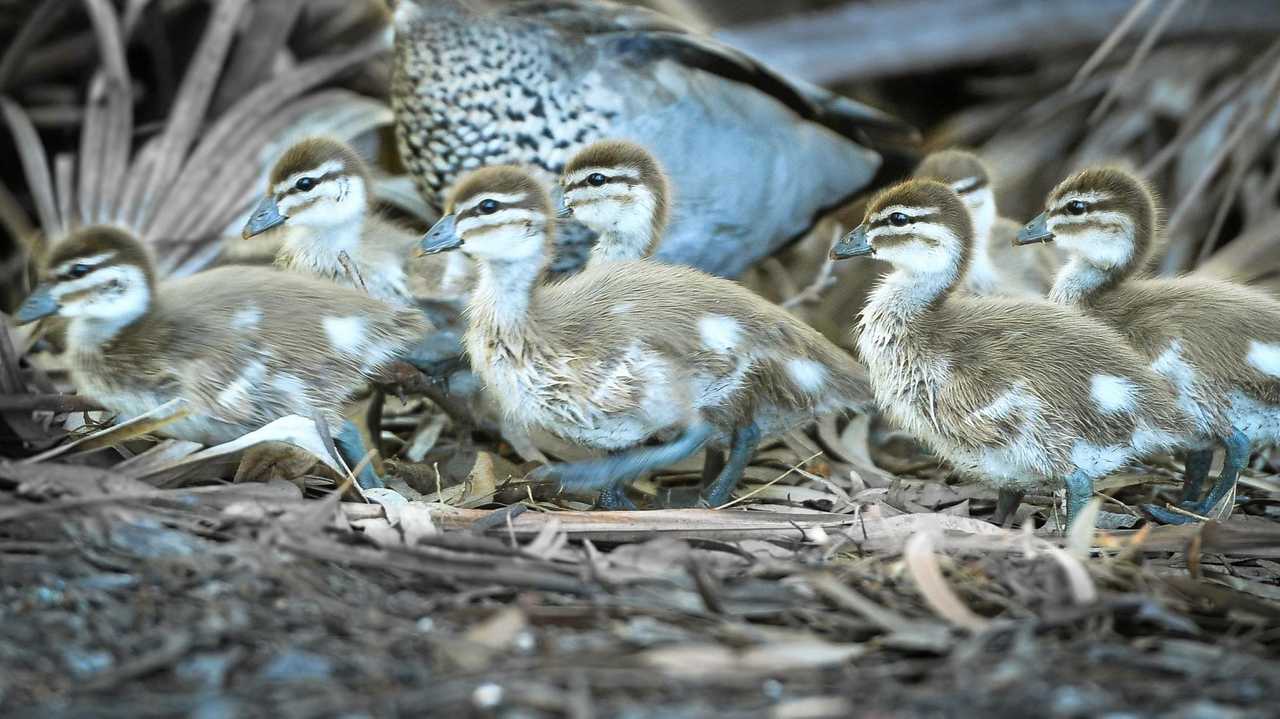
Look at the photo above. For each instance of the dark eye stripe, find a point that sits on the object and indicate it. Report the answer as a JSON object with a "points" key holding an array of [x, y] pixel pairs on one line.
{"points": [[323, 178], [628, 181], [884, 221]]}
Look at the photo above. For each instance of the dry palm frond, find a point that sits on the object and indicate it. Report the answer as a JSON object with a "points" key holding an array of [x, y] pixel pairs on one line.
{"points": [[183, 186]]}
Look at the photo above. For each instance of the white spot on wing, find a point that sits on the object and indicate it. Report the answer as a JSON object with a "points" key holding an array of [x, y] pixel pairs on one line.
{"points": [[1112, 394], [807, 374], [1265, 357], [719, 333], [1097, 460], [246, 318], [239, 393], [346, 334]]}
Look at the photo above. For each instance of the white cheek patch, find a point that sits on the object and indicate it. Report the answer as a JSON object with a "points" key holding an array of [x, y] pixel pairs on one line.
{"points": [[1112, 394], [911, 252], [622, 171], [346, 334], [1109, 245], [112, 292], [914, 213], [503, 198], [719, 333], [807, 374], [91, 261], [324, 168], [1265, 357]]}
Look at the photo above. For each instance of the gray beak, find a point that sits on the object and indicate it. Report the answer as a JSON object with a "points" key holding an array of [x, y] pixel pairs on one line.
{"points": [[41, 303], [854, 244], [564, 212], [442, 236], [265, 216], [1035, 231]]}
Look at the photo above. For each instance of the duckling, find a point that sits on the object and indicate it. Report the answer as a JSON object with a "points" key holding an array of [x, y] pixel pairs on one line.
{"points": [[756, 157], [620, 192], [1016, 392], [1217, 342], [319, 188], [996, 268], [626, 351], [243, 345]]}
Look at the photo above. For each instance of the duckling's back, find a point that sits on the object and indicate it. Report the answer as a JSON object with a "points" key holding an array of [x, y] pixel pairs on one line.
{"points": [[757, 358], [246, 345], [1214, 340], [1054, 387]]}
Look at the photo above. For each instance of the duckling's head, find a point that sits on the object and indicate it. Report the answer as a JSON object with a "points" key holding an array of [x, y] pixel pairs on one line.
{"points": [[498, 214], [98, 272], [320, 183], [1106, 216], [619, 190], [919, 226], [969, 176]]}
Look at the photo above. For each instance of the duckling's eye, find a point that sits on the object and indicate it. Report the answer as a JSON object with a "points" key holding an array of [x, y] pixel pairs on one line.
{"points": [[596, 179], [77, 271], [488, 207], [305, 184], [1077, 207], [898, 219]]}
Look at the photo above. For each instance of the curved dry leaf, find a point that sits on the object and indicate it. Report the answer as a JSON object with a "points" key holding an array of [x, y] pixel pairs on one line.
{"points": [[1083, 590], [35, 161], [924, 568], [187, 115], [1080, 533]]}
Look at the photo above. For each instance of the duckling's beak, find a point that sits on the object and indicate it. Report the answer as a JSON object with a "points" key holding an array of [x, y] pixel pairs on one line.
{"points": [[441, 237], [1035, 231], [41, 303], [854, 244], [265, 216], [564, 211]]}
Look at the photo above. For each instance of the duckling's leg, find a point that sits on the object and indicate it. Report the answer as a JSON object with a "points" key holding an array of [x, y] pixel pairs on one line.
{"points": [[1237, 457], [352, 449], [1079, 491], [1198, 462], [745, 441], [1007, 502], [1238, 450], [609, 473]]}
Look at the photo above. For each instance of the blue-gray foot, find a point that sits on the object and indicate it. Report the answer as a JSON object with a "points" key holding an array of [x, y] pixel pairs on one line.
{"points": [[745, 441], [595, 475], [353, 450], [614, 498], [1238, 448], [1079, 491]]}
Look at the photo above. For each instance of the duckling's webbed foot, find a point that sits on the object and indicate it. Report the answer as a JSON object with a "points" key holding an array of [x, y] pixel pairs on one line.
{"points": [[1237, 445], [745, 441], [614, 498], [352, 448], [610, 474], [1079, 491]]}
